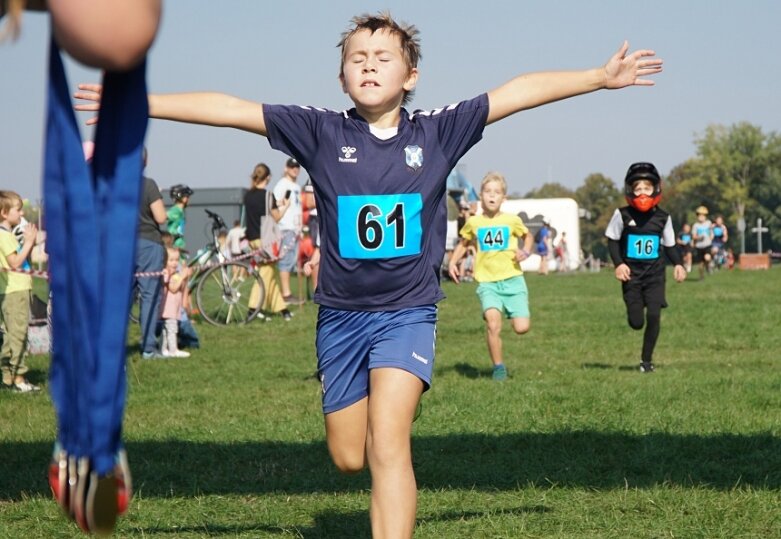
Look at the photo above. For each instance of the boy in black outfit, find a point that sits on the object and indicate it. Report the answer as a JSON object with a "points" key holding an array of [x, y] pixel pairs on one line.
{"points": [[636, 234]]}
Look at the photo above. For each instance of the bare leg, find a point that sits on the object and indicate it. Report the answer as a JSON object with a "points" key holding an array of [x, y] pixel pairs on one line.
{"points": [[521, 325], [493, 329], [345, 431], [284, 281], [394, 395]]}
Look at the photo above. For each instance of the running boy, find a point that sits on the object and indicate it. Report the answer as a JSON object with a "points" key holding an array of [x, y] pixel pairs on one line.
{"points": [[636, 233], [502, 289], [15, 289], [379, 174]]}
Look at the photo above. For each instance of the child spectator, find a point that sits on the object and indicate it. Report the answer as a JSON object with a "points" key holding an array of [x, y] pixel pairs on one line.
{"points": [[502, 289], [15, 289], [380, 173], [180, 194], [175, 283], [235, 237], [636, 233]]}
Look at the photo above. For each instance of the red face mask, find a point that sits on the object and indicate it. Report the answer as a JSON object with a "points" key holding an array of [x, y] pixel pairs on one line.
{"points": [[644, 203]]}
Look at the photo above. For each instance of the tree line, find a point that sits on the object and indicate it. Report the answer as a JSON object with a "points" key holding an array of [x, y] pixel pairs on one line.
{"points": [[736, 172]]}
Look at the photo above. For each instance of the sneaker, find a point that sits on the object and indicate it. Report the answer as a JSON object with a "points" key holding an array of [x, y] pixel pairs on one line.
{"points": [[179, 353], [25, 387], [153, 355], [646, 366], [500, 373], [287, 315], [292, 300]]}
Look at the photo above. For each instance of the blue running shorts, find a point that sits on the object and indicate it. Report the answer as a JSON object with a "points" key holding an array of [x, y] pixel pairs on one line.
{"points": [[510, 297], [351, 343]]}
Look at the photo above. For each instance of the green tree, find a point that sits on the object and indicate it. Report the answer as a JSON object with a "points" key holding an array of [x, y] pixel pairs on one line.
{"points": [[550, 190], [736, 173], [598, 198]]}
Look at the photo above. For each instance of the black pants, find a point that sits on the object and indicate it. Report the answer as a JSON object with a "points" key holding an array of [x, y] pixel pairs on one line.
{"points": [[644, 298]]}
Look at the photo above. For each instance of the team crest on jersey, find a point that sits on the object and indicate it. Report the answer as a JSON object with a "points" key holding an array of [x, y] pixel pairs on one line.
{"points": [[414, 156], [347, 154]]}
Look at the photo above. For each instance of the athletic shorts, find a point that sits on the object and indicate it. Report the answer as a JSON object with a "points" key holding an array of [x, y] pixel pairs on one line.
{"points": [[510, 297], [352, 343], [701, 252], [290, 247], [645, 291]]}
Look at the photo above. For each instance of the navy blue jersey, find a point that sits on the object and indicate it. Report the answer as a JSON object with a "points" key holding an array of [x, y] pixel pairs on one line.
{"points": [[381, 203]]}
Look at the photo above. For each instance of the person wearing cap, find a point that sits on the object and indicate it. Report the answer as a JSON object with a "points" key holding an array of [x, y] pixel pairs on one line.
{"points": [[702, 236], [290, 225], [638, 234]]}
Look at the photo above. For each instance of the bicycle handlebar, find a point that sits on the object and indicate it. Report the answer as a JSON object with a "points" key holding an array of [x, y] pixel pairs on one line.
{"points": [[217, 221]]}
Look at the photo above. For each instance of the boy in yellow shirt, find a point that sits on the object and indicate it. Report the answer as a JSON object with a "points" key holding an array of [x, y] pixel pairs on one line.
{"points": [[502, 289], [15, 289]]}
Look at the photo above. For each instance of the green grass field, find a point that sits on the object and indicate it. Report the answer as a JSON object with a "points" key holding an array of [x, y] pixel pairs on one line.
{"points": [[576, 444]]}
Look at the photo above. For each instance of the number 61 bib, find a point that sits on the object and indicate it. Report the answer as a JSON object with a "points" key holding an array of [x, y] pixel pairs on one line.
{"points": [[379, 226]]}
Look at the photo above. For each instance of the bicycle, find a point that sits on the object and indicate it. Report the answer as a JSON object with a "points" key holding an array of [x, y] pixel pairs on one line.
{"points": [[222, 288]]}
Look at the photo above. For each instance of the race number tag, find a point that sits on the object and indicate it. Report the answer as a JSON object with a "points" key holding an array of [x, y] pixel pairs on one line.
{"points": [[379, 226], [642, 247], [493, 238]]}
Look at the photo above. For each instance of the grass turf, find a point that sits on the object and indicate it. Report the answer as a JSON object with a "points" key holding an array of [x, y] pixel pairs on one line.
{"points": [[577, 443]]}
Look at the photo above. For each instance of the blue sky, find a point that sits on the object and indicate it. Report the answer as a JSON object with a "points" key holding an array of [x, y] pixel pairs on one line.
{"points": [[722, 65]]}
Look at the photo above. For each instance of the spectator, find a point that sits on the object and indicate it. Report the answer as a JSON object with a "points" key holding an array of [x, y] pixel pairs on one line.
{"points": [[313, 224], [543, 244], [562, 253], [15, 290], [289, 224], [175, 278], [260, 203], [235, 237], [180, 194], [150, 255]]}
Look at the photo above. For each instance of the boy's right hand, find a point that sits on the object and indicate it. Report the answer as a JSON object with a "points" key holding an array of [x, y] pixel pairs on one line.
{"points": [[623, 272], [30, 233], [89, 92], [452, 270]]}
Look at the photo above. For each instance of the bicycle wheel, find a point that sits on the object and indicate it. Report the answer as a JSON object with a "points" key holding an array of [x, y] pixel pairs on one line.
{"points": [[224, 293]]}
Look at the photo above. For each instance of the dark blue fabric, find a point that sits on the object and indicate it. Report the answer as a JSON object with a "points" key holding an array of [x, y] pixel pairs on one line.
{"points": [[351, 170], [91, 220]]}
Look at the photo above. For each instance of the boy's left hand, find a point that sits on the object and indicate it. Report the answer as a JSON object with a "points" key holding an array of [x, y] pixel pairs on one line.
{"points": [[521, 255], [622, 70]]}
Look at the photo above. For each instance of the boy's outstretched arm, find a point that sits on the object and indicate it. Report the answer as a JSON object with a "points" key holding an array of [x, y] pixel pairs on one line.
{"points": [[205, 108], [535, 89]]}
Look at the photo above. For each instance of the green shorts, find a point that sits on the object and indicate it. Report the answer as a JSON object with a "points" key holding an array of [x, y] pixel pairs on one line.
{"points": [[509, 296]]}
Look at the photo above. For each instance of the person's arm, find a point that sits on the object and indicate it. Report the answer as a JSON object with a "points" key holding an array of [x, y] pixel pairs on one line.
{"points": [[204, 108], [312, 263], [158, 211], [623, 273], [280, 209], [726, 233], [535, 89], [455, 257], [16, 259], [525, 252]]}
